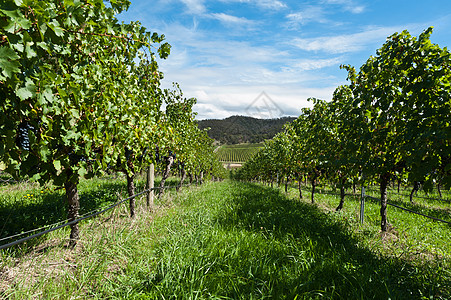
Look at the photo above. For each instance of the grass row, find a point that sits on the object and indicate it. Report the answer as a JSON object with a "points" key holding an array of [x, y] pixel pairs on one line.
{"points": [[233, 240], [412, 236], [27, 206], [236, 154]]}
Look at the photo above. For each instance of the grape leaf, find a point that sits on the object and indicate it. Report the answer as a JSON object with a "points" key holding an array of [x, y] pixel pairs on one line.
{"points": [[8, 62]]}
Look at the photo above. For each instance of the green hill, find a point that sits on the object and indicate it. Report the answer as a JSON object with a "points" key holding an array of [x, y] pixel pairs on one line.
{"points": [[241, 129]]}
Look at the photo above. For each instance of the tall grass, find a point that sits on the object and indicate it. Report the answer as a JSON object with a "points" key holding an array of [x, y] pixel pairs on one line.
{"points": [[27, 206], [223, 241], [413, 237], [252, 242]]}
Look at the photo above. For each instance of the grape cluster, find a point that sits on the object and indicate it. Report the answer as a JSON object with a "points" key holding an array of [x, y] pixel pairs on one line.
{"points": [[140, 158], [22, 138], [128, 153], [75, 158], [172, 154], [157, 154], [165, 158]]}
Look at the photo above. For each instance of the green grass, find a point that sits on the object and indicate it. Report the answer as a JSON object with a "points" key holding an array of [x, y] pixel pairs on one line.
{"points": [[27, 206], [228, 241], [413, 236], [257, 243], [422, 242]]}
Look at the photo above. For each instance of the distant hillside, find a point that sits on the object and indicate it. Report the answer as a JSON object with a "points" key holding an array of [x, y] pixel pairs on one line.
{"points": [[240, 129]]}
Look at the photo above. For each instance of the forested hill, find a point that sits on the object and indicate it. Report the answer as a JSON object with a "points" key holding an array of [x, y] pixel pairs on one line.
{"points": [[241, 129]]}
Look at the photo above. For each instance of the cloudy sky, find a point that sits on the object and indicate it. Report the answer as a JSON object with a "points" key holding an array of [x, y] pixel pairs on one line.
{"points": [[265, 58]]}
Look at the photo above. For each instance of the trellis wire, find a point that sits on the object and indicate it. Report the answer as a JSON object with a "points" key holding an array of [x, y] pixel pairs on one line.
{"points": [[72, 222], [408, 210]]}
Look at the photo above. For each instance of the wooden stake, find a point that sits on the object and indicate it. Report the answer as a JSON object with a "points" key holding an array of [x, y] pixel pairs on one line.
{"points": [[150, 185]]}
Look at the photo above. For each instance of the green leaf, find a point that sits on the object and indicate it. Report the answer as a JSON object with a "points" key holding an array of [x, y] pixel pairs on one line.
{"points": [[44, 152], [8, 62], [23, 93], [30, 52], [45, 97], [18, 47], [82, 172], [26, 92], [57, 164], [70, 135], [16, 22], [55, 26], [43, 46], [164, 50], [36, 177]]}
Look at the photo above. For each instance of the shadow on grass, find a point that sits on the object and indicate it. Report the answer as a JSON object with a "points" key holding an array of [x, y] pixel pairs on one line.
{"points": [[49, 209], [440, 213], [340, 268], [296, 252], [419, 204], [25, 215]]}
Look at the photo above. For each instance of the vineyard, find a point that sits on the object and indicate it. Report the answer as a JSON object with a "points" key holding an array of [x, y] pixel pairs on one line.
{"points": [[81, 98], [237, 153], [390, 125], [83, 118]]}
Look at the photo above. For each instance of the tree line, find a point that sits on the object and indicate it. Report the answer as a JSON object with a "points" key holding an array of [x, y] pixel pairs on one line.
{"points": [[391, 122], [242, 129]]}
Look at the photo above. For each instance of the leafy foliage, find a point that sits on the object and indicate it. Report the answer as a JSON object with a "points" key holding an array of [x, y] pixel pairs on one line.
{"points": [[69, 72], [391, 120], [81, 94]]}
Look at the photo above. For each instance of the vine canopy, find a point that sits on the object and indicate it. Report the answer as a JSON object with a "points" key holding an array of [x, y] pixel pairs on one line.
{"points": [[64, 66]]}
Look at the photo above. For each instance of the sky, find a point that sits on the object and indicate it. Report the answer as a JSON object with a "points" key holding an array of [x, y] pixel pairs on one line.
{"points": [[265, 58]]}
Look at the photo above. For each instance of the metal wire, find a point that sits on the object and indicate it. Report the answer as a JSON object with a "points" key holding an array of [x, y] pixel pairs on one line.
{"points": [[408, 210], [33, 230], [71, 222]]}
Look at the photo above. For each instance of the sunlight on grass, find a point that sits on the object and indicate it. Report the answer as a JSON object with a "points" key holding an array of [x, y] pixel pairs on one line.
{"points": [[228, 241]]}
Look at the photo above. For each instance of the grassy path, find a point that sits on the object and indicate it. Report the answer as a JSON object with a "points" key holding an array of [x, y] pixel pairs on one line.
{"points": [[221, 241]]}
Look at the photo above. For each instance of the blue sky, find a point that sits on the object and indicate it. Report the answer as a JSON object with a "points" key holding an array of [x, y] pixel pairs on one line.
{"points": [[266, 58]]}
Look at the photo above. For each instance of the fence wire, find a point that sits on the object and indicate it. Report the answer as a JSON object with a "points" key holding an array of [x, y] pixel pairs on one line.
{"points": [[95, 213], [408, 210], [424, 197]]}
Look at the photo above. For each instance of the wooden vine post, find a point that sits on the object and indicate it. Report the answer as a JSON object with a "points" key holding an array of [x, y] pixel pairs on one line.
{"points": [[150, 185]]}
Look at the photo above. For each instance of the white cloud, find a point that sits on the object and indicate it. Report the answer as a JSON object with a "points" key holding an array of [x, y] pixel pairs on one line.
{"points": [[195, 6], [227, 69], [348, 42], [332, 44], [198, 48], [310, 14], [316, 64], [230, 90], [227, 75], [348, 5], [321, 13], [272, 4], [221, 102], [265, 4], [229, 19], [357, 9]]}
